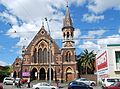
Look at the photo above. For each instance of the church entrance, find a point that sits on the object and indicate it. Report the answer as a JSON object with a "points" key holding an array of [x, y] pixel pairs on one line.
{"points": [[42, 74], [69, 75], [34, 74], [51, 74]]}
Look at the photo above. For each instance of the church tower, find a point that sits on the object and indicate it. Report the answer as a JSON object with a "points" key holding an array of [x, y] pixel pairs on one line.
{"points": [[68, 50], [68, 30]]}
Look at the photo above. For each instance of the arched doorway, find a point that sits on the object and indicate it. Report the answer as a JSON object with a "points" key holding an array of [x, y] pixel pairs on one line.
{"points": [[42, 74], [14, 74], [34, 74], [51, 74], [18, 74], [69, 75]]}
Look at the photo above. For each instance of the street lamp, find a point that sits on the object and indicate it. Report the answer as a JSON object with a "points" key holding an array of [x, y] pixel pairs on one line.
{"points": [[23, 53], [49, 52]]}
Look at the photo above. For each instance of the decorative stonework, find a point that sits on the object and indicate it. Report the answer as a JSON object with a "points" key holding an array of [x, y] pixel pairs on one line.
{"points": [[42, 32]]}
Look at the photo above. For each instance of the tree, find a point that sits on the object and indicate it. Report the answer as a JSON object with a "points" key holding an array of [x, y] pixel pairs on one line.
{"points": [[4, 72], [86, 60]]}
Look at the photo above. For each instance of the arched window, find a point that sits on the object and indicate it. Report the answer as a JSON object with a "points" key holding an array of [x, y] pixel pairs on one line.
{"points": [[40, 55], [17, 64], [45, 55], [68, 56], [25, 70], [35, 58], [64, 35], [67, 34]]}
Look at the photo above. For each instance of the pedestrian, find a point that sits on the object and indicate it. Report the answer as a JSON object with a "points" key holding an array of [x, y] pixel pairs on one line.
{"points": [[28, 83], [19, 84], [14, 82]]}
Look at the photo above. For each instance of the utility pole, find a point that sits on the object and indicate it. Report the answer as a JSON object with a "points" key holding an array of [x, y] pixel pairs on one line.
{"points": [[23, 53], [49, 52]]}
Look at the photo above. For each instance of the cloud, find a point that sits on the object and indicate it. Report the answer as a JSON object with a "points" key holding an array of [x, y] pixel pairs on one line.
{"points": [[99, 6], [25, 32], [92, 18], [8, 18], [97, 33], [2, 63], [78, 2], [32, 10], [114, 39], [89, 45], [31, 14], [77, 34], [93, 34], [119, 30]]}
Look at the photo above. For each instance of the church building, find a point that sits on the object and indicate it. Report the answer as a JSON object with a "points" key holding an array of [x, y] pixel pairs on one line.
{"points": [[43, 53]]}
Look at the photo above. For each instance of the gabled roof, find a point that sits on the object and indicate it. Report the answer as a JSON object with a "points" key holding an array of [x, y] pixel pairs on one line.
{"points": [[42, 34]]}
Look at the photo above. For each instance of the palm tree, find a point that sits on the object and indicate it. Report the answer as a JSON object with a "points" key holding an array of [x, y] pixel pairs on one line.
{"points": [[86, 60]]}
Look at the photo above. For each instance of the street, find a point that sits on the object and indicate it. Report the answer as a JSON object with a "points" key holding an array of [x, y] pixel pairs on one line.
{"points": [[24, 87]]}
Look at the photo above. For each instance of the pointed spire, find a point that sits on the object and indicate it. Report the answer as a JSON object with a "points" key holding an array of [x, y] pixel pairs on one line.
{"points": [[67, 20]]}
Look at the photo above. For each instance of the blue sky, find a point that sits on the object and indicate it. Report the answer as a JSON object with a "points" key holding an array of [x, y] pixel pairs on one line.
{"points": [[96, 23]]}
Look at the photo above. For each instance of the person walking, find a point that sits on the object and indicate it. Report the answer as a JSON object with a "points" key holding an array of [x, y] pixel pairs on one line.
{"points": [[28, 83], [19, 84]]}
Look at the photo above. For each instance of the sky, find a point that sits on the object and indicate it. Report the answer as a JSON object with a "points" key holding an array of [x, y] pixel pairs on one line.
{"points": [[96, 23]]}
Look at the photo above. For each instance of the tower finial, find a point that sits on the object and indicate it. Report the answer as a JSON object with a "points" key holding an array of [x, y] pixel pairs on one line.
{"points": [[42, 22], [66, 3]]}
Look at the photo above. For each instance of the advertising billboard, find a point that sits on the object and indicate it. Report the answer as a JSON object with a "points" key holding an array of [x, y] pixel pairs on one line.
{"points": [[101, 61]]}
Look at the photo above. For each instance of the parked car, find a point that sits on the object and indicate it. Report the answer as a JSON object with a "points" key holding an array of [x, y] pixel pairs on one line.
{"points": [[115, 85], [109, 81], [78, 85], [44, 85], [1, 87], [86, 81], [8, 80]]}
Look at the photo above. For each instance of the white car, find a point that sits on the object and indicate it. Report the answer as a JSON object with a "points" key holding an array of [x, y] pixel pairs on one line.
{"points": [[8, 80], [43, 85], [86, 81], [108, 81]]}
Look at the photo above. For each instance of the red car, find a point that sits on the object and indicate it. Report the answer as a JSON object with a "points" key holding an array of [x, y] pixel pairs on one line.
{"points": [[24, 80], [116, 85]]}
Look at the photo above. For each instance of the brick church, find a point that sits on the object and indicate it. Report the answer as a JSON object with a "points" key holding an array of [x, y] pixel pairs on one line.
{"points": [[35, 63]]}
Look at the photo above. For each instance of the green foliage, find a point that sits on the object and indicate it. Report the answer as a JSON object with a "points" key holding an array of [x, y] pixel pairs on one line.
{"points": [[5, 71], [86, 61]]}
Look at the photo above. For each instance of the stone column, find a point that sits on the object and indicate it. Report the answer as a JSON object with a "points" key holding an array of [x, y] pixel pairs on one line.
{"points": [[46, 75], [38, 75]]}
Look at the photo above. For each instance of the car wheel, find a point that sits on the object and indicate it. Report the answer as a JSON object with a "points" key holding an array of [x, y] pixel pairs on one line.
{"points": [[5, 83], [36, 88], [92, 84]]}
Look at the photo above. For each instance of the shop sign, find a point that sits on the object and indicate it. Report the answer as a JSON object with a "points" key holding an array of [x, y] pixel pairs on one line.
{"points": [[25, 73]]}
